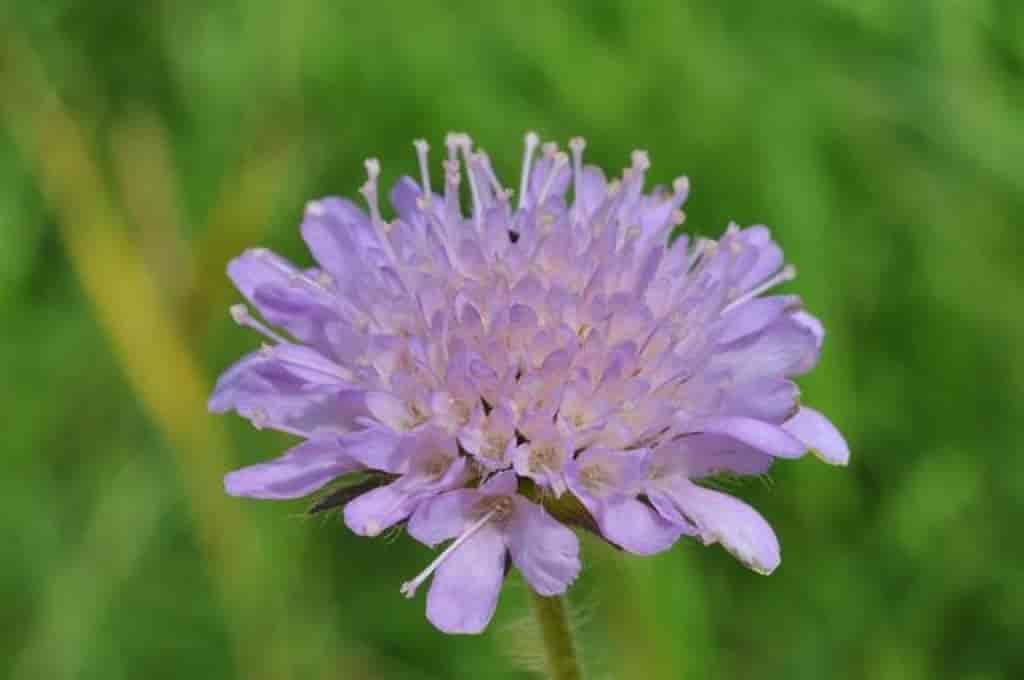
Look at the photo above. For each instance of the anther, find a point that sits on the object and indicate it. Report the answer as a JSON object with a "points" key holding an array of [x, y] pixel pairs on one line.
{"points": [[259, 418], [240, 314], [681, 186], [641, 160]]}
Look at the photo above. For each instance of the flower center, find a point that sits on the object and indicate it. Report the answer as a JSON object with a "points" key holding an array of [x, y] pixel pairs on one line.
{"points": [[494, 447], [594, 478], [543, 457], [496, 507]]}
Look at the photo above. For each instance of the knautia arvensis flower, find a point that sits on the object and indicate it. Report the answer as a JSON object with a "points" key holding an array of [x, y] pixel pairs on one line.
{"points": [[542, 363]]}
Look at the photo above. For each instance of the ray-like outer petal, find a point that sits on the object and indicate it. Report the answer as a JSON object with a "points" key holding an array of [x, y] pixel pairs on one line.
{"points": [[720, 518], [770, 399], [785, 348], [760, 435], [708, 455], [820, 435], [259, 267], [464, 592], [752, 317], [767, 256], [380, 509], [376, 448], [271, 394], [299, 472], [337, 232], [817, 331], [545, 551], [636, 527]]}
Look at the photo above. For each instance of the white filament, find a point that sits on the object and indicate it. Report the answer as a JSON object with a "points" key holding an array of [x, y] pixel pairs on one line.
{"points": [[422, 151], [532, 140], [409, 587], [577, 145], [787, 273]]}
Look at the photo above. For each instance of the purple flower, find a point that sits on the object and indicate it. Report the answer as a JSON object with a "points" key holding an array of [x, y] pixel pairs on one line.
{"points": [[476, 377]]}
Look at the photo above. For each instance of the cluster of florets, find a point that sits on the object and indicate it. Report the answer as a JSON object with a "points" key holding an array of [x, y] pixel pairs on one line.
{"points": [[539, 364]]}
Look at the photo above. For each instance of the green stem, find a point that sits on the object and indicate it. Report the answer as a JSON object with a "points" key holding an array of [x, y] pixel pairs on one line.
{"points": [[563, 664]]}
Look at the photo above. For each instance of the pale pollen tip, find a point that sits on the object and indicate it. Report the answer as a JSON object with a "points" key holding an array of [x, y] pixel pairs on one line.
{"points": [[372, 168], [240, 313]]}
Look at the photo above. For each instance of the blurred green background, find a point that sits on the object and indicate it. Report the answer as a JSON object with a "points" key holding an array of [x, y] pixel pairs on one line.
{"points": [[144, 144]]}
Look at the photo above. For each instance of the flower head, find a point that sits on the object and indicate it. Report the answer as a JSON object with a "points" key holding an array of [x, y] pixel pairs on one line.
{"points": [[476, 377]]}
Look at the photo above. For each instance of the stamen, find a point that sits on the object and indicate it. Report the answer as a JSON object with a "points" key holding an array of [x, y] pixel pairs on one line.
{"points": [[240, 313], [422, 153], [409, 587], [465, 144], [532, 140], [369, 190], [485, 164], [559, 161], [261, 419], [576, 146], [451, 142], [787, 273], [451, 190]]}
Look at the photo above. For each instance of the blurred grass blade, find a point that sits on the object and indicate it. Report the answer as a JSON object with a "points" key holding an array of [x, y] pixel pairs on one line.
{"points": [[148, 344]]}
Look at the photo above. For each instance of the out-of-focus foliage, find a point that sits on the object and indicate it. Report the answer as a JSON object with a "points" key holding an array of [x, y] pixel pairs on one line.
{"points": [[143, 144]]}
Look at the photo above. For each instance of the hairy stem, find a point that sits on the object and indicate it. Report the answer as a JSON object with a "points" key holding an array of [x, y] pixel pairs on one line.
{"points": [[559, 648]]}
